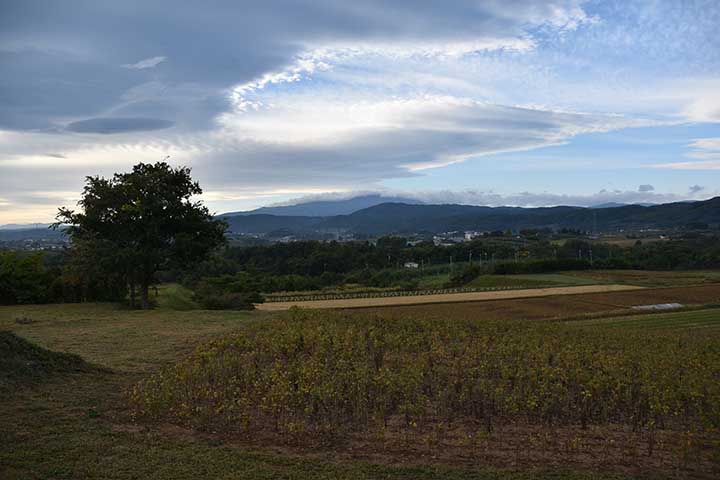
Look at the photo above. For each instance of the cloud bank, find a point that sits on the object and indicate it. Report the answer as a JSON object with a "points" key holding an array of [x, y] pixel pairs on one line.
{"points": [[279, 98]]}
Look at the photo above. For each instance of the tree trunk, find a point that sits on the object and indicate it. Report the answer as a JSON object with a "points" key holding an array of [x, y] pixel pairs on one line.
{"points": [[133, 303], [144, 296]]}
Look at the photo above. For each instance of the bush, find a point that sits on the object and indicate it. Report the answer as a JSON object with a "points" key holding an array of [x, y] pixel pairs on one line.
{"points": [[24, 279], [228, 301], [541, 266], [467, 275]]}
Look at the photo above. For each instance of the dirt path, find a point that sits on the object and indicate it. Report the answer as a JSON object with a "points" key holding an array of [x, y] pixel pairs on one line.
{"points": [[446, 298]]}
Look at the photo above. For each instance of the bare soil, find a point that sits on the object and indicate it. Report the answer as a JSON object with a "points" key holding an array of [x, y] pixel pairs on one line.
{"points": [[559, 306], [611, 449]]}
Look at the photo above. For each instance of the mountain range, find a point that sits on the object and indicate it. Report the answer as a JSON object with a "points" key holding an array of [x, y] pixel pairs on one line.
{"points": [[404, 218], [326, 208]]}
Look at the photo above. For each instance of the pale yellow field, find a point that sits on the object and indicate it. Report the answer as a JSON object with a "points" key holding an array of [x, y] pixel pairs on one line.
{"points": [[446, 298]]}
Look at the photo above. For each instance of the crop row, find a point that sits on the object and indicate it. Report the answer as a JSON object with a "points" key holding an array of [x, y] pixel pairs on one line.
{"points": [[392, 293], [321, 373]]}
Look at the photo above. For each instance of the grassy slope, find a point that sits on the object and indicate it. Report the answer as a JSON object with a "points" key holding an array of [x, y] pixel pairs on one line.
{"points": [[71, 427], [530, 281]]}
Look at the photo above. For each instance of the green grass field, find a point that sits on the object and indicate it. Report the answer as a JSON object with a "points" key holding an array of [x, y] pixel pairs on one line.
{"points": [[76, 425], [437, 280], [539, 280]]}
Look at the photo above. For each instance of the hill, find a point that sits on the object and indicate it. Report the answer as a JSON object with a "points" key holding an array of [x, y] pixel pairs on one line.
{"points": [[325, 208], [402, 218], [264, 223], [22, 362]]}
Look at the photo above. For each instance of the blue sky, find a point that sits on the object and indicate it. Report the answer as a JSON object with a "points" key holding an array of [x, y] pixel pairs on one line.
{"points": [[515, 102]]}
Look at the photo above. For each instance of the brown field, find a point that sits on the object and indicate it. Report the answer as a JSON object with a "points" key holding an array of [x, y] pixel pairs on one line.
{"points": [[444, 299], [560, 306]]}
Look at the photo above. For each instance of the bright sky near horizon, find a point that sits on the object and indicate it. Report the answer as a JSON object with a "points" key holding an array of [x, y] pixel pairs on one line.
{"points": [[513, 102]]}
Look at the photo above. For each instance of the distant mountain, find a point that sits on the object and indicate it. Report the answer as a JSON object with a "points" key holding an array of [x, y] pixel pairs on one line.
{"points": [[325, 208], [615, 205], [23, 226], [403, 218], [20, 234], [268, 223]]}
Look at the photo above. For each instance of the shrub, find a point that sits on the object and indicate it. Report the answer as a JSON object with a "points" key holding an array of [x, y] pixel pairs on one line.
{"points": [[228, 301], [541, 266]]}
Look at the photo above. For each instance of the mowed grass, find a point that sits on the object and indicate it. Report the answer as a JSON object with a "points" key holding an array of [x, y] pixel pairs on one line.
{"points": [[75, 426]]}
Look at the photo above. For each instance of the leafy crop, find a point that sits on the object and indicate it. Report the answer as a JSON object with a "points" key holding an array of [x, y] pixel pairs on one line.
{"points": [[324, 374]]}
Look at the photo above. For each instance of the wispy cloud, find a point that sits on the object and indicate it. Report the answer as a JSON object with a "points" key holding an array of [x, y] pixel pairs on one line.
{"points": [[151, 62], [520, 199], [706, 151]]}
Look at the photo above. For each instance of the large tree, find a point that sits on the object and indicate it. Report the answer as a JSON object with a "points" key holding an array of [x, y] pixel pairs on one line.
{"points": [[139, 222]]}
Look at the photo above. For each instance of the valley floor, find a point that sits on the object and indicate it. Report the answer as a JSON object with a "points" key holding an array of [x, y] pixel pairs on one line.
{"points": [[77, 426]]}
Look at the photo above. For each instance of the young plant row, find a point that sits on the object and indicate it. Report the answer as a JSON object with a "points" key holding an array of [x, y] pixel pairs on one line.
{"points": [[376, 294]]}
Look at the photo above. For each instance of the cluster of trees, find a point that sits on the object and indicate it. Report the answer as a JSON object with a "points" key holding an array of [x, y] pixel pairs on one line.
{"points": [[129, 227], [135, 224], [24, 278]]}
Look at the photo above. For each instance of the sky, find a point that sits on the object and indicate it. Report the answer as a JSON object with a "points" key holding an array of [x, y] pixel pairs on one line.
{"points": [[497, 102]]}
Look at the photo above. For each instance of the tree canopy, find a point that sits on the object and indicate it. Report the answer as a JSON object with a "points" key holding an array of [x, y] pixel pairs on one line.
{"points": [[134, 224]]}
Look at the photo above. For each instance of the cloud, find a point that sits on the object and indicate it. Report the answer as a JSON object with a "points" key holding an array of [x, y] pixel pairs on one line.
{"points": [[118, 125], [64, 62], [274, 97], [520, 199], [705, 150], [147, 63], [696, 189], [645, 188]]}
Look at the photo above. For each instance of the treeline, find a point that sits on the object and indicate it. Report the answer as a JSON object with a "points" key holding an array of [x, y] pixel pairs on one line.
{"points": [[40, 277], [318, 259], [231, 275], [302, 266]]}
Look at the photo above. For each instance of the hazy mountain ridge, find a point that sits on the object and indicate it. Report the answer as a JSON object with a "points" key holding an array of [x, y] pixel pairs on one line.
{"points": [[387, 218], [325, 208], [403, 218]]}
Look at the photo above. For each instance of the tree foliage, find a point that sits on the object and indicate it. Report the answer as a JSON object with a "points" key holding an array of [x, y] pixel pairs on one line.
{"points": [[134, 224]]}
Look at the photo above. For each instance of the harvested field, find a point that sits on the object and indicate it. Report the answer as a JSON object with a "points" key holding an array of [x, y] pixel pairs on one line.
{"points": [[449, 298], [560, 306]]}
